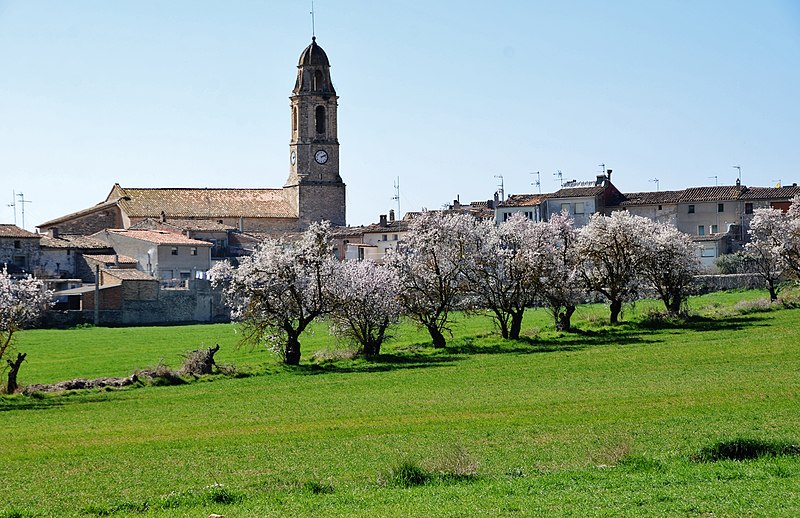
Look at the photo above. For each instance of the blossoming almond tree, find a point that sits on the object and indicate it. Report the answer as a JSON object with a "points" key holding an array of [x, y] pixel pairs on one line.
{"points": [[669, 264], [22, 302], [501, 273], [279, 290], [770, 246], [429, 267], [612, 249], [559, 282], [366, 295]]}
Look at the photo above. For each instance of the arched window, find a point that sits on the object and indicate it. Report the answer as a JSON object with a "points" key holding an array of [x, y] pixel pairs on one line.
{"points": [[319, 119], [319, 81], [294, 119]]}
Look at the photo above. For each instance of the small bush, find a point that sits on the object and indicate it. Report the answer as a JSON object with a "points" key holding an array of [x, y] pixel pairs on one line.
{"points": [[407, 474], [219, 494], [160, 375], [745, 307], [316, 487], [745, 449], [455, 463]]}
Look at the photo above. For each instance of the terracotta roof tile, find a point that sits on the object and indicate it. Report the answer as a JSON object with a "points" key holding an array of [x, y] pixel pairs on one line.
{"points": [[524, 200], [111, 258], [128, 274], [577, 192], [161, 237], [186, 203], [771, 193], [720, 192], [9, 230], [73, 241], [650, 198]]}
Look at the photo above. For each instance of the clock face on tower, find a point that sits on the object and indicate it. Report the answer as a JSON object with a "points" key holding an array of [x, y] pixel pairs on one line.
{"points": [[293, 157], [321, 156]]}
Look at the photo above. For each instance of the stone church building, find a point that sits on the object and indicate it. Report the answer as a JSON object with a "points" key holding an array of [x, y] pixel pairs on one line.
{"points": [[314, 190]]}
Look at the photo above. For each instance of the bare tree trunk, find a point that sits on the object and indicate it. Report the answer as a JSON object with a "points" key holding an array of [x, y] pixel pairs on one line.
{"points": [[438, 338], [616, 309], [564, 318], [11, 387], [516, 324], [292, 353]]}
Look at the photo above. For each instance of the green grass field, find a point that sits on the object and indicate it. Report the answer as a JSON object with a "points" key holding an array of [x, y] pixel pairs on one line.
{"points": [[603, 421]]}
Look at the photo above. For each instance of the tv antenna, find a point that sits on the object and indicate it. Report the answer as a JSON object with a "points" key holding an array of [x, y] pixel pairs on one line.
{"points": [[13, 205], [777, 184], [23, 201], [560, 176], [502, 190], [715, 180], [603, 166], [538, 182], [738, 168], [396, 196], [655, 181]]}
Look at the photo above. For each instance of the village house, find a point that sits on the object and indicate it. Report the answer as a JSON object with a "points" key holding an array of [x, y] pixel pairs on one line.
{"points": [[19, 249]]}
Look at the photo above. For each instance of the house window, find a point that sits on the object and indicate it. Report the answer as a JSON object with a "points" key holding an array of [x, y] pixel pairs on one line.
{"points": [[394, 237], [659, 207], [714, 229], [384, 237], [748, 208], [17, 244], [565, 207], [701, 230], [579, 208], [193, 251], [19, 260], [691, 209], [708, 252], [720, 207], [505, 216], [174, 250]]}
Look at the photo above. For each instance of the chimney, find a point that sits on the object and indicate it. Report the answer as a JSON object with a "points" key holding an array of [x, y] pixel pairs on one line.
{"points": [[600, 179], [241, 223], [391, 215], [608, 174], [383, 220], [163, 217]]}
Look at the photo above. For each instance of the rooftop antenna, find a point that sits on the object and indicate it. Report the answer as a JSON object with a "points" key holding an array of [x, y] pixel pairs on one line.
{"points": [[538, 182], [560, 176], [715, 179], [603, 166], [13, 205], [738, 168], [396, 196], [777, 184], [502, 188], [313, 28], [655, 181], [23, 201]]}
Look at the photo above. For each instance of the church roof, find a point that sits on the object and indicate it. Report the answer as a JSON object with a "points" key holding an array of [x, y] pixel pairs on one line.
{"points": [[313, 55], [201, 202]]}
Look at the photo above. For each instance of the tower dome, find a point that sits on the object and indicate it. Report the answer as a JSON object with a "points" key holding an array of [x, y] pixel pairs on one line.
{"points": [[314, 72], [313, 55]]}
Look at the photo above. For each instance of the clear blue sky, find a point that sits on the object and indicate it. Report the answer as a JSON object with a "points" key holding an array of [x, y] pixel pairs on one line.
{"points": [[444, 95]]}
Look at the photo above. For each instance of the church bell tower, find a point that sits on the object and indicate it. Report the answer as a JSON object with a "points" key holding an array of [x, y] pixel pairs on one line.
{"points": [[314, 187]]}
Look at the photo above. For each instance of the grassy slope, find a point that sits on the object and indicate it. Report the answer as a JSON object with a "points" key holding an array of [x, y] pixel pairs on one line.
{"points": [[599, 422]]}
